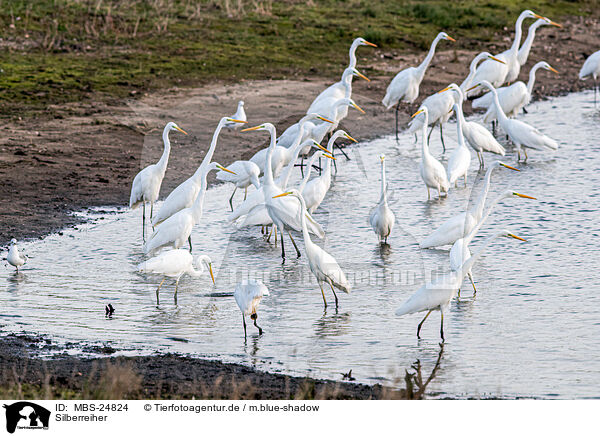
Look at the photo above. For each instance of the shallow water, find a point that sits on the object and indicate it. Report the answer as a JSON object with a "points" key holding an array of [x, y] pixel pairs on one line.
{"points": [[533, 330]]}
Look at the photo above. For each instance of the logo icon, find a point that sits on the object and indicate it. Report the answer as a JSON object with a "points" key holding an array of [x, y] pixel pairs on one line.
{"points": [[26, 415]]}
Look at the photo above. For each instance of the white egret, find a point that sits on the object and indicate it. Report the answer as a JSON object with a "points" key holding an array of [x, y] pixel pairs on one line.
{"points": [[591, 68], [431, 170], [335, 110], [479, 138], [146, 184], [246, 174], [184, 195], [315, 190], [404, 87], [323, 265], [283, 212], [248, 294], [311, 162], [15, 258], [523, 53], [358, 42], [437, 294], [341, 89], [460, 159], [239, 116], [382, 218], [177, 229], [521, 134], [461, 224], [499, 73], [439, 109], [175, 263], [466, 84], [512, 98], [283, 155], [460, 251]]}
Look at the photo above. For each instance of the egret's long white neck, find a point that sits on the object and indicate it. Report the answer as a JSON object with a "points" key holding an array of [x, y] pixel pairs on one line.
{"points": [[383, 198], [327, 170], [472, 70], [347, 82], [531, 81], [477, 209], [460, 121], [514, 49], [502, 118], [294, 150], [523, 53], [198, 205], [467, 239], [424, 146], [311, 162], [269, 159], [164, 159], [423, 67], [468, 264], [307, 241], [352, 53], [213, 144]]}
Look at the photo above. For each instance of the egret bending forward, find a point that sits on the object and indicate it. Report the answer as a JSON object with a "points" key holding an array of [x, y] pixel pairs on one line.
{"points": [[248, 294]]}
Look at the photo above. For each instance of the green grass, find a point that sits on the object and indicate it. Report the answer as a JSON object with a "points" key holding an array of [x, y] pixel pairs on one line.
{"points": [[57, 51]]}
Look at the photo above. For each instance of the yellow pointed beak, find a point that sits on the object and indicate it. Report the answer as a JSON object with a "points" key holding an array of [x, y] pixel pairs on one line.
{"points": [[371, 44], [472, 88], [553, 70], [552, 23], [525, 196], [449, 38], [417, 113], [517, 237], [222, 168], [350, 138], [181, 130], [494, 58], [358, 108], [251, 128], [444, 90], [324, 119], [539, 17], [509, 167], [212, 276], [329, 156], [282, 195], [237, 121], [362, 76], [321, 147]]}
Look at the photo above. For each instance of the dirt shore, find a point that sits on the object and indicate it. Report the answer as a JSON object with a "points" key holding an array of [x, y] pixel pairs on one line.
{"points": [[86, 154]]}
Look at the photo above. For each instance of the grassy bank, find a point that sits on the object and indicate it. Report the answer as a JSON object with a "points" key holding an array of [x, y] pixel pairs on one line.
{"points": [[56, 51]]}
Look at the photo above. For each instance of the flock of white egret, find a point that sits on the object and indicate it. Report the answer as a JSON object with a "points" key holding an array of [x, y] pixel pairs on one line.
{"points": [[277, 207]]}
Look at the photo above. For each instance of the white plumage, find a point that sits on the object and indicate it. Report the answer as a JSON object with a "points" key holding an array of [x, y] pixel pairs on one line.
{"points": [[341, 89], [382, 218], [238, 118], [15, 258], [460, 159], [248, 294], [432, 171]]}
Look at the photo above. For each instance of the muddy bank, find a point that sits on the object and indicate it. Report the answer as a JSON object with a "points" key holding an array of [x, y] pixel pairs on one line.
{"points": [[24, 374], [86, 154]]}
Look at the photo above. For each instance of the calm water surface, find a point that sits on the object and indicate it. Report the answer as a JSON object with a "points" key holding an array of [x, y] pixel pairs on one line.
{"points": [[533, 329]]}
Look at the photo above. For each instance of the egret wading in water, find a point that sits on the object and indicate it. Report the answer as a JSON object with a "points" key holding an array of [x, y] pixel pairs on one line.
{"points": [[177, 229], [431, 170], [248, 294], [404, 87], [437, 294], [512, 98], [382, 218], [174, 264], [461, 224], [237, 118], [15, 258], [460, 159], [184, 195], [591, 68], [523, 135], [245, 174], [322, 264], [146, 183], [479, 138]]}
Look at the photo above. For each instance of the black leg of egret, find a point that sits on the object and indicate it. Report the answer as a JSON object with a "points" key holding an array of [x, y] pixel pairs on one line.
{"points": [[458, 294], [190, 242], [151, 209], [282, 248], [416, 139], [244, 321], [473, 283], [302, 166], [270, 233], [254, 317], [430, 132], [323, 294], [397, 109], [442, 326], [245, 193], [334, 295], [158, 289], [421, 324], [144, 221], [231, 199], [525, 111], [294, 243], [175, 294], [343, 152], [442, 137], [320, 166]]}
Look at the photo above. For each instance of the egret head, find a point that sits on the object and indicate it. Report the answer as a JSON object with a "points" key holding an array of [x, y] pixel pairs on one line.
{"points": [[314, 116], [233, 120], [241, 103], [422, 110], [509, 194], [350, 102], [529, 14], [453, 87], [265, 126], [498, 163], [483, 83], [444, 35], [508, 234], [382, 158], [205, 261], [172, 126], [13, 241], [218, 166], [363, 41], [357, 73], [341, 134], [546, 20], [316, 145], [546, 66]]}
